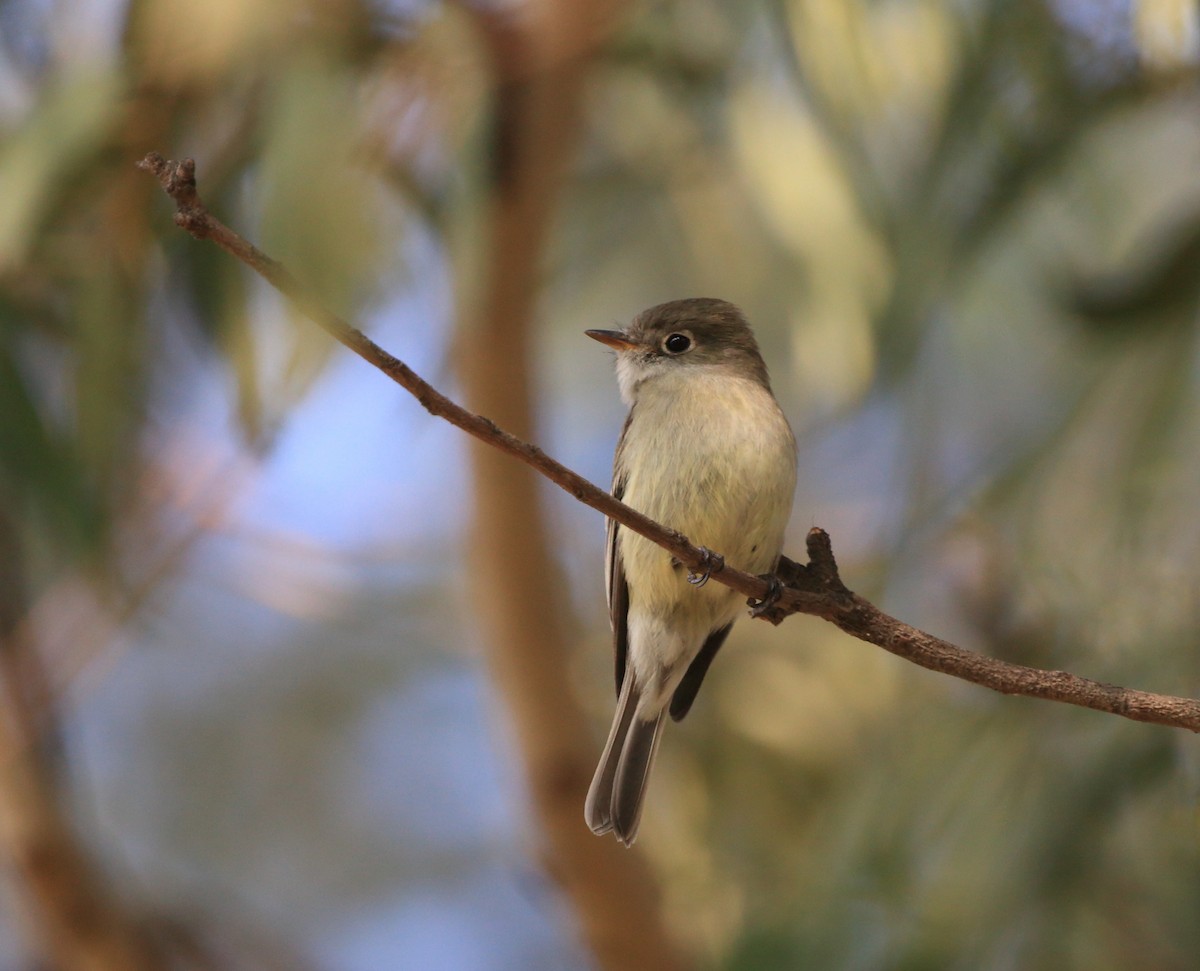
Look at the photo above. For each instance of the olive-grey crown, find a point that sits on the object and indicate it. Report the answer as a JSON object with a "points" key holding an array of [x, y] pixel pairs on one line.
{"points": [[699, 330]]}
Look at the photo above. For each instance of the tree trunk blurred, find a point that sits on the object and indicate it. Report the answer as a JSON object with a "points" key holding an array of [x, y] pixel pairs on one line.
{"points": [[73, 920], [541, 63]]}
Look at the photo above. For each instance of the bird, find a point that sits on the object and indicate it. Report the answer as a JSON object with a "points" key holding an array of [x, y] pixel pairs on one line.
{"points": [[705, 450]]}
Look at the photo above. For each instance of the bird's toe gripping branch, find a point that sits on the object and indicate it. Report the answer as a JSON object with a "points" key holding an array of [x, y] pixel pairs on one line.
{"points": [[712, 563], [774, 592]]}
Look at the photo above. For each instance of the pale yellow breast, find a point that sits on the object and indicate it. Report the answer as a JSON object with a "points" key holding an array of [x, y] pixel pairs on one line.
{"points": [[713, 457]]}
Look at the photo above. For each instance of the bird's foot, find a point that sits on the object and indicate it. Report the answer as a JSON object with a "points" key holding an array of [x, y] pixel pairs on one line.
{"points": [[713, 563], [774, 592]]}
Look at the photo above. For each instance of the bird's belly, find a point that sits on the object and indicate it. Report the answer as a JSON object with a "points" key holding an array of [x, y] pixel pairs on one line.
{"points": [[724, 478]]}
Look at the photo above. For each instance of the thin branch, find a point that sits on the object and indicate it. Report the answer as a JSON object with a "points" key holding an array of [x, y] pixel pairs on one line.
{"points": [[860, 618], [815, 588], [178, 179]]}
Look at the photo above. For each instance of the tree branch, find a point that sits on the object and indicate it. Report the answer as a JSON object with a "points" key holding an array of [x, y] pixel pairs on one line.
{"points": [[814, 588]]}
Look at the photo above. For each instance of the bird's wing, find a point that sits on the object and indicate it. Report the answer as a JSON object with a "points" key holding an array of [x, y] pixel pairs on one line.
{"points": [[616, 588], [685, 694]]}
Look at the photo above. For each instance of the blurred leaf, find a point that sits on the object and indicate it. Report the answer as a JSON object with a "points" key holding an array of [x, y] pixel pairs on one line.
{"points": [[218, 291], [1161, 287], [56, 140], [109, 373], [320, 208], [763, 949], [181, 42], [42, 478]]}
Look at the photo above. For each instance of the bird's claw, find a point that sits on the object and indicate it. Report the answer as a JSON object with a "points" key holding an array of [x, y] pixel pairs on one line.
{"points": [[774, 592], [713, 563]]}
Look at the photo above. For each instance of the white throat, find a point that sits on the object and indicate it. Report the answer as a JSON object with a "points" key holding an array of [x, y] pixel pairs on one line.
{"points": [[629, 374]]}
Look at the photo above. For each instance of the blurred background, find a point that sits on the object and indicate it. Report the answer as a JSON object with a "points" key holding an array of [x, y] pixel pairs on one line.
{"points": [[295, 678]]}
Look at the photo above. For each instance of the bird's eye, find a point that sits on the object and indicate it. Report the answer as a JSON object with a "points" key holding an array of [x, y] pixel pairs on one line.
{"points": [[677, 343]]}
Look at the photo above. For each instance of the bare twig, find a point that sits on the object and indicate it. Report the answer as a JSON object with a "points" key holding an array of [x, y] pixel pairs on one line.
{"points": [[815, 588], [178, 179]]}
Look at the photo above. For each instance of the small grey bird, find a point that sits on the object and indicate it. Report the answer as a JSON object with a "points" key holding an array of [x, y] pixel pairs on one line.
{"points": [[705, 450]]}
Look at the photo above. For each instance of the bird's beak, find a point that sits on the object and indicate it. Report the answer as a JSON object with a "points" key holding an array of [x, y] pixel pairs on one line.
{"points": [[616, 339]]}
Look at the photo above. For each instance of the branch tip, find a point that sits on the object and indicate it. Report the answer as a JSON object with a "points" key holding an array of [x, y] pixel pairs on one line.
{"points": [[822, 565], [178, 180]]}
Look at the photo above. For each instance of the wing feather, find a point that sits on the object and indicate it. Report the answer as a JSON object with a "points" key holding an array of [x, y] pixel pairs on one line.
{"points": [[616, 588]]}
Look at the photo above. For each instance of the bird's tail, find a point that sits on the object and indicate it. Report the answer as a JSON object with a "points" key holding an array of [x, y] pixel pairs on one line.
{"points": [[614, 801]]}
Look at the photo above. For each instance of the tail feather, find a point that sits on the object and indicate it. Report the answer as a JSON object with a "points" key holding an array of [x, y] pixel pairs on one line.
{"points": [[597, 808], [614, 801], [633, 773]]}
